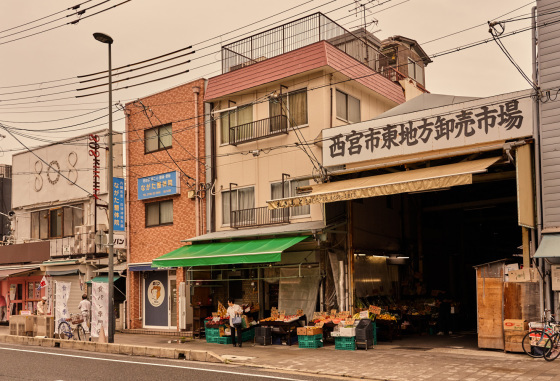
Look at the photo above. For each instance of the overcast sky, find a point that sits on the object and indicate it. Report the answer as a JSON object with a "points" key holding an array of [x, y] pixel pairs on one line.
{"points": [[143, 29]]}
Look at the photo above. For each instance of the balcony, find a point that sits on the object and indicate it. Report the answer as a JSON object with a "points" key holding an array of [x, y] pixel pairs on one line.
{"points": [[262, 216], [260, 129]]}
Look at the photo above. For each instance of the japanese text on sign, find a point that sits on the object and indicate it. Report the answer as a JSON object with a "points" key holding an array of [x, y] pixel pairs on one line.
{"points": [[164, 184], [428, 130], [118, 203]]}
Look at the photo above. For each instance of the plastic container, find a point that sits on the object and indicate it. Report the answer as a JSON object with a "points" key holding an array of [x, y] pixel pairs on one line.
{"points": [[345, 343]]}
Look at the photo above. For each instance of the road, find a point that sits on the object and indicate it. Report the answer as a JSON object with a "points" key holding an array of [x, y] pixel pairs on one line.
{"points": [[40, 363]]}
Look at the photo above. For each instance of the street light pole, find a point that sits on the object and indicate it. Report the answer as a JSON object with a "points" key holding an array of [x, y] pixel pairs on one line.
{"points": [[111, 310]]}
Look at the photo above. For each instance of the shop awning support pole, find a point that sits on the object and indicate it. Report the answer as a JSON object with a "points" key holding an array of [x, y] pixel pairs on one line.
{"points": [[350, 284]]}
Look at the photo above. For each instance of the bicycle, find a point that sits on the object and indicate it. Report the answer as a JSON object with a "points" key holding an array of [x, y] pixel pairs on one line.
{"points": [[538, 339], [71, 328], [553, 345]]}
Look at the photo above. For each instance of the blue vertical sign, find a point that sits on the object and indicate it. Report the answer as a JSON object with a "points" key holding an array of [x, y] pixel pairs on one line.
{"points": [[118, 204]]}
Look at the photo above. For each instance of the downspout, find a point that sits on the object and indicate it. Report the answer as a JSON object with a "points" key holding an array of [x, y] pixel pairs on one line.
{"points": [[127, 227], [538, 186], [196, 90], [208, 139]]}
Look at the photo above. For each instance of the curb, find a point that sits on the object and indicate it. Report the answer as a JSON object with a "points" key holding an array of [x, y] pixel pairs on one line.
{"points": [[123, 349]]}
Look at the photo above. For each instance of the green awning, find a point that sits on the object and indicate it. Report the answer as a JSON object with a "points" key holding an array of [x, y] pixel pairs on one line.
{"points": [[102, 279], [549, 246], [228, 253]]}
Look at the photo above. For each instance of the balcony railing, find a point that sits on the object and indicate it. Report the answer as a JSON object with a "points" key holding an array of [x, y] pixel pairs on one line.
{"points": [[260, 129], [245, 218]]}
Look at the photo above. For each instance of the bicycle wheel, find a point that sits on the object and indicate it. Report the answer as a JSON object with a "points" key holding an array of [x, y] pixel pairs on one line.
{"points": [[552, 348], [65, 331], [82, 336], [534, 343]]}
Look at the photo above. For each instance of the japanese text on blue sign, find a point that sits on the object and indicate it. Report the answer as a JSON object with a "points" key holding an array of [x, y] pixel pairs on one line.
{"points": [[118, 204], [164, 184]]}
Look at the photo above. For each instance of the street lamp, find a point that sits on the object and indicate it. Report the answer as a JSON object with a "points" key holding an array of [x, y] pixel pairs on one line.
{"points": [[111, 310]]}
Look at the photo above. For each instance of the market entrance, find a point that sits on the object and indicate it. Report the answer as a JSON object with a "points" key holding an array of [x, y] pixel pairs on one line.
{"points": [[414, 254]]}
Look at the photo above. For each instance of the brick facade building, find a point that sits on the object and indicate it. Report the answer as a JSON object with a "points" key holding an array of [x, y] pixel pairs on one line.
{"points": [[162, 131]]}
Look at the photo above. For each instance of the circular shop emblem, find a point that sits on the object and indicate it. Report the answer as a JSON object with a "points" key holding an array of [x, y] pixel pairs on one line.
{"points": [[156, 293]]}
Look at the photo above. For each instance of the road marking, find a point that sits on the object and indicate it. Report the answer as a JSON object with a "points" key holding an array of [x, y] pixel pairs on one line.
{"points": [[152, 364]]}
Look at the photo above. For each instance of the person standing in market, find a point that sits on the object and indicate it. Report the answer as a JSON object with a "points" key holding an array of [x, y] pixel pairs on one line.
{"points": [[85, 307], [42, 308], [234, 313]]}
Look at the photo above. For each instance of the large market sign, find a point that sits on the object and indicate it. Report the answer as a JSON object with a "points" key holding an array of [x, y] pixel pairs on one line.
{"points": [[476, 122]]}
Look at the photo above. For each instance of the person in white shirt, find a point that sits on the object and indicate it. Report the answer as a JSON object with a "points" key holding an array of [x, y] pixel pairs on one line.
{"points": [[42, 306], [232, 311], [85, 307]]}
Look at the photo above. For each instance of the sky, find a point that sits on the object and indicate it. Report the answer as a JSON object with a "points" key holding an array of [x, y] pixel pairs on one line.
{"points": [[143, 29]]}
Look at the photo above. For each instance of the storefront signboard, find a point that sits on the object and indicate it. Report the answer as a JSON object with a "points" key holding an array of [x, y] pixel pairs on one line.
{"points": [[118, 204], [481, 121], [164, 184]]}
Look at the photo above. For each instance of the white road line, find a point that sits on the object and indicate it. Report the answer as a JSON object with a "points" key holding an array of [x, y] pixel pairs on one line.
{"points": [[151, 364]]}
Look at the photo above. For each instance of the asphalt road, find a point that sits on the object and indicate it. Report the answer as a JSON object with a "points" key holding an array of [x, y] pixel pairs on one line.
{"points": [[39, 363]]}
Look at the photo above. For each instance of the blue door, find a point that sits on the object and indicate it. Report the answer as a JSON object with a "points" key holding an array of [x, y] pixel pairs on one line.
{"points": [[156, 306]]}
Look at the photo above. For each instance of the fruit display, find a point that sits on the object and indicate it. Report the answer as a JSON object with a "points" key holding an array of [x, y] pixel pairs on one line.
{"points": [[290, 318], [386, 316]]}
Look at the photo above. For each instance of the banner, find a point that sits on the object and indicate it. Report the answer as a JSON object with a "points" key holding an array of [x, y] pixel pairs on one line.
{"points": [[99, 308], [62, 292], [118, 204]]}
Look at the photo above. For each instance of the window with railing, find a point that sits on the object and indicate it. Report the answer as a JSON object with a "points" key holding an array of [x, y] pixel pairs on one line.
{"points": [[238, 119], [293, 105], [240, 201], [290, 190]]}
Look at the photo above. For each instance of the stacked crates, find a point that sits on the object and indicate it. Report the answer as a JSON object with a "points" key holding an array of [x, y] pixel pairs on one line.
{"points": [[315, 341], [212, 335]]}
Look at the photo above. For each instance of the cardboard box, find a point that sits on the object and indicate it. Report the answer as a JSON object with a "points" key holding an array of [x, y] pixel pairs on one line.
{"points": [[302, 331], [523, 275], [347, 332], [311, 331], [513, 341], [515, 325]]}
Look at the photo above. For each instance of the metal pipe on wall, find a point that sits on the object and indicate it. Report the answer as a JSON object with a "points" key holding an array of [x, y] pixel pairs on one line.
{"points": [[196, 90], [544, 301]]}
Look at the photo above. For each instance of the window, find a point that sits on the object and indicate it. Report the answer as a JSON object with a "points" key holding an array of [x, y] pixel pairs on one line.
{"points": [[241, 199], [56, 223], [415, 71], [159, 213], [294, 107], [158, 138], [290, 190], [347, 107], [241, 116]]}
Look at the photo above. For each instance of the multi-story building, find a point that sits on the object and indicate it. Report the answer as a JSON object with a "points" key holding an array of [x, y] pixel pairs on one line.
{"points": [[167, 188], [278, 91], [59, 220]]}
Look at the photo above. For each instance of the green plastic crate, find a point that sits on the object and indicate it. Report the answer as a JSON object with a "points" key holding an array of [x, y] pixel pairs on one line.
{"points": [[212, 340], [345, 343], [224, 340], [310, 339], [212, 332], [248, 335], [310, 344]]}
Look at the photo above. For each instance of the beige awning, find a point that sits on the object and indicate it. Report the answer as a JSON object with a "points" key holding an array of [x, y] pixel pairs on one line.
{"points": [[444, 176]]}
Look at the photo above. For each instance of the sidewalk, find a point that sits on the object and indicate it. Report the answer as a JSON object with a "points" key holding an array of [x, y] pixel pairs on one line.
{"points": [[387, 361]]}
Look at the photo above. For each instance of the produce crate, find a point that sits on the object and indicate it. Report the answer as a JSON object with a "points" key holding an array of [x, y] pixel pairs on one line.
{"points": [[212, 332], [212, 340], [310, 339], [311, 344], [248, 335], [224, 340], [345, 343]]}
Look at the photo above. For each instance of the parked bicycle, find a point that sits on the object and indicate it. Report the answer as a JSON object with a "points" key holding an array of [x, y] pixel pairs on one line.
{"points": [[538, 341], [71, 328], [552, 345]]}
